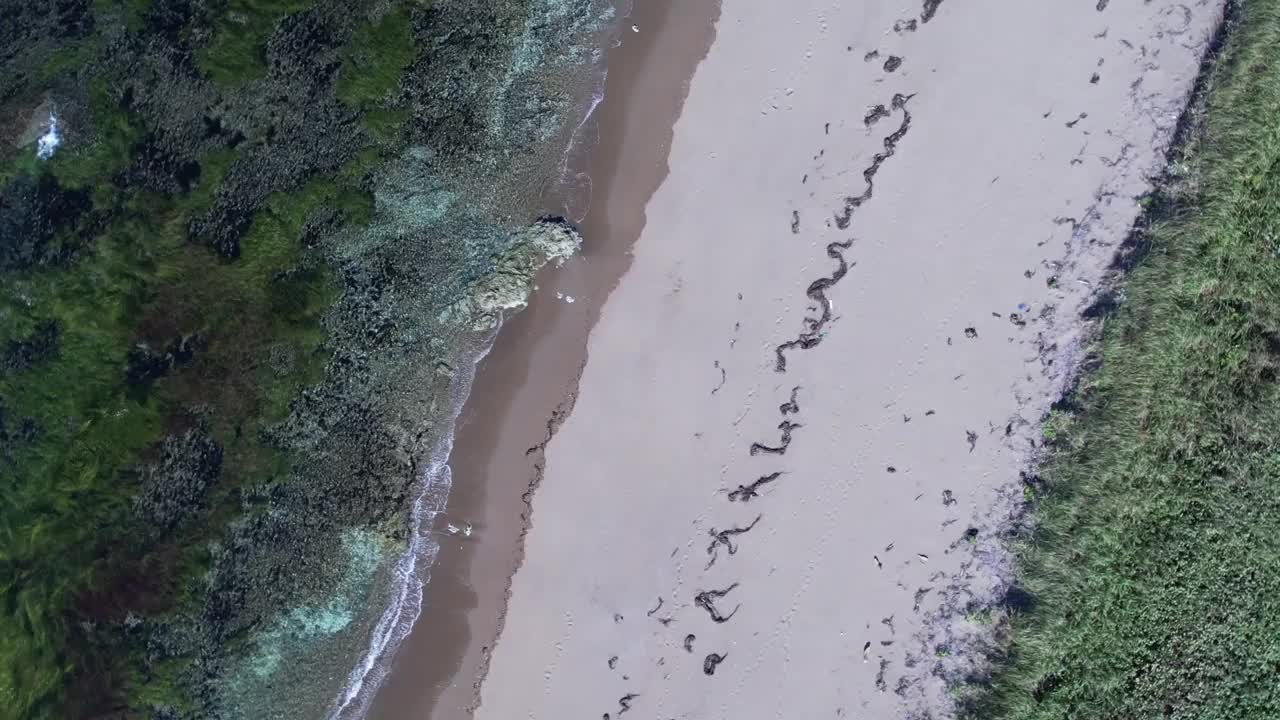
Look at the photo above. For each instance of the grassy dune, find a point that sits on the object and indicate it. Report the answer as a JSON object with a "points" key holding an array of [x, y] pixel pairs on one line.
{"points": [[1155, 565]]}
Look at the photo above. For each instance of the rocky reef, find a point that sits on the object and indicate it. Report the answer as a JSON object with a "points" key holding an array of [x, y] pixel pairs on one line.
{"points": [[242, 242]]}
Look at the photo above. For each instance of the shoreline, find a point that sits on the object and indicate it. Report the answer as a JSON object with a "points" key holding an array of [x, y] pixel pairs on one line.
{"points": [[1000, 191], [527, 382]]}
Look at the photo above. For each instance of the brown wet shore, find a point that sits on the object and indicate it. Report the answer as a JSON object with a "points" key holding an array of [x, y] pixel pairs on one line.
{"points": [[530, 377]]}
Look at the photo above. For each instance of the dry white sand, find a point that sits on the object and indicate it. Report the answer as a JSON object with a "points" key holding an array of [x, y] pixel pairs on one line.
{"points": [[1022, 133]]}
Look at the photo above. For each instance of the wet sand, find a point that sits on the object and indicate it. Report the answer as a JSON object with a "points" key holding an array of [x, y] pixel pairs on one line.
{"points": [[806, 404], [530, 376]]}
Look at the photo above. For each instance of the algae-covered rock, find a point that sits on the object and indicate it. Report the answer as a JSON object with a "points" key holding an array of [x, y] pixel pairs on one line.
{"points": [[174, 487], [507, 288]]}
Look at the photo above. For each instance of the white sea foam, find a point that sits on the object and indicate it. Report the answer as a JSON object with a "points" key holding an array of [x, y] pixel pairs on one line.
{"points": [[413, 569], [574, 184], [49, 142]]}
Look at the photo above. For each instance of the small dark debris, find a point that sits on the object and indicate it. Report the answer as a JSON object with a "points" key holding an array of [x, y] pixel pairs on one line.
{"points": [[710, 663], [688, 642], [656, 608], [786, 427], [706, 600], [791, 406], [875, 114], [725, 538], [893, 63], [744, 493]]}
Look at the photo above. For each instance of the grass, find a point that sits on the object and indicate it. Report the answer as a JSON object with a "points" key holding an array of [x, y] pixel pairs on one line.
{"points": [[1155, 565]]}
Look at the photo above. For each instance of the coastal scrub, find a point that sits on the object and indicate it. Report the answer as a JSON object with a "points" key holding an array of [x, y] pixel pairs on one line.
{"points": [[1153, 572]]}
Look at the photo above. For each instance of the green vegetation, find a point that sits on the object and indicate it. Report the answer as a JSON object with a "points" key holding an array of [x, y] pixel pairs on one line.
{"points": [[236, 53], [1155, 566], [376, 58], [133, 10], [143, 335], [72, 490], [215, 361]]}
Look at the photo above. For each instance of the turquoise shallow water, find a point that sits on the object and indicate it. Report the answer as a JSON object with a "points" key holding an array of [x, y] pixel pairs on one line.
{"points": [[543, 102]]}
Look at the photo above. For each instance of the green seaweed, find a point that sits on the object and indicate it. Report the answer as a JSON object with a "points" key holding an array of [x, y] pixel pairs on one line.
{"points": [[132, 11], [116, 134], [375, 59], [69, 493], [235, 55], [199, 393]]}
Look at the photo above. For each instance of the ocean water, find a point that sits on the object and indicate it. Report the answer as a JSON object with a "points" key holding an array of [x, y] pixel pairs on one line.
{"points": [[413, 568], [562, 54], [571, 185]]}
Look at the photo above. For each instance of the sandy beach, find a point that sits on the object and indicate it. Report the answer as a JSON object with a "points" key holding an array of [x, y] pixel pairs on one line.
{"points": [[769, 453], [530, 376]]}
